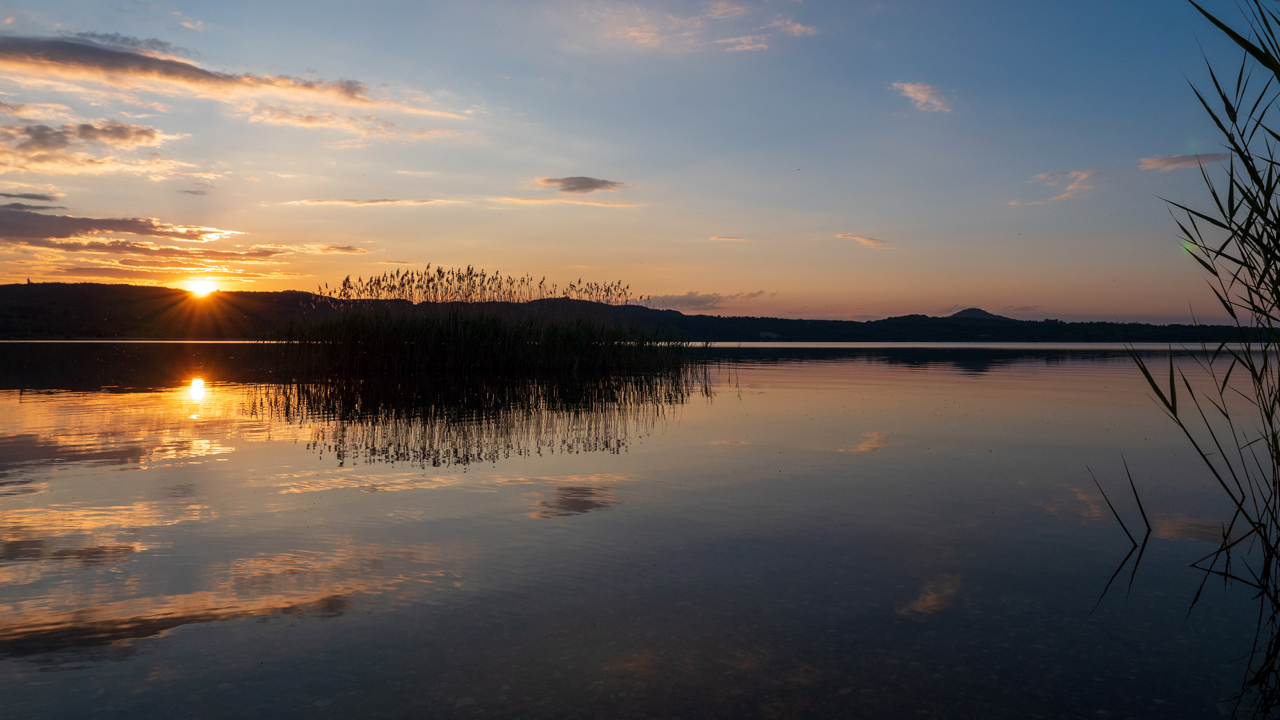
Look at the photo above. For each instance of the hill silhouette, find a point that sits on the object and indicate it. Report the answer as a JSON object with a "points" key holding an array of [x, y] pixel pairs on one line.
{"points": [[105, 311]]}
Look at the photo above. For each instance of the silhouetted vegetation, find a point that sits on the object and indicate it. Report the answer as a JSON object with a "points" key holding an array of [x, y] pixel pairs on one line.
{"points": [[96, 311], [440, 421], [1235, 425]]}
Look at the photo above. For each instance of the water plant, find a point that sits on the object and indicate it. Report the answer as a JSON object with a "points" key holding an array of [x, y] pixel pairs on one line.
{"points": [[1233, 420], [466, 319]]}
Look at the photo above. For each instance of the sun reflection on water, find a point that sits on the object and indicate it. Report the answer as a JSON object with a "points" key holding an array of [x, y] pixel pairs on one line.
{"points": [[196, 391]]}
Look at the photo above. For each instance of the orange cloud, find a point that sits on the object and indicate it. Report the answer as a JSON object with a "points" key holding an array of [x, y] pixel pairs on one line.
{"points": [[84, 60], [868, 241], [366, 203], [746, 42], [791, 27], [558, 201], [926, 97], [1077, 182], [1176, 162], [75, 148]]}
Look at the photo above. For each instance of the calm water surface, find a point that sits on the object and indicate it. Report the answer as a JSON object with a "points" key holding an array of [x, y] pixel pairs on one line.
{"points": [[814, 535]]}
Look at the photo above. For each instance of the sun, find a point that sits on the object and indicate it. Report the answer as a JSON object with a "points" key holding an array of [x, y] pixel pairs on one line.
{"points": [[201, 287]]}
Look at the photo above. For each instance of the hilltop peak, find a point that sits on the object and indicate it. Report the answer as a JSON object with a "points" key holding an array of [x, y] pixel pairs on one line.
{"points": [[977, 314]]}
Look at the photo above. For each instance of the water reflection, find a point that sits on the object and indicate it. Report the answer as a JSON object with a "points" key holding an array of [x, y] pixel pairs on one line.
{"points": [[852, 537], [445, 421], [574, 500], [83, 569]]}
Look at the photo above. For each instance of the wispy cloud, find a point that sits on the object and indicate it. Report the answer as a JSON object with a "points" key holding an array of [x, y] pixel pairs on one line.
{"points": [[146, 46], [305, 117], [558, 201], [656, 30], [316, 249], [727, 238], [82, 59], [926, 97], [694, 300], [725, 9], [1177, 162], [792, 28], [580, 185], [38, 197], [746, 42], [366, 203], [1077, 182], [868, 241], [21, 225], [25, 206]]}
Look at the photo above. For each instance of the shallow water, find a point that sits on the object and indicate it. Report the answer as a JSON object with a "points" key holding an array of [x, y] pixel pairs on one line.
{"points": [[846, 535]]}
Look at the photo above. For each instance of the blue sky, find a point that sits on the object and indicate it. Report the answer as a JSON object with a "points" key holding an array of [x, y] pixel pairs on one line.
{"points": [[806, 159]]}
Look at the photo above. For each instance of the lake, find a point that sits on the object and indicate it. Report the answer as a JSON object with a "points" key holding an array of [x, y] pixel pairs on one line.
{"points": [[785, 533]]}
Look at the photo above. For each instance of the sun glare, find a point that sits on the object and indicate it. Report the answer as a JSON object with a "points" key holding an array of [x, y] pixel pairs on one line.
{"points": [[196, 391], [201, 287]]}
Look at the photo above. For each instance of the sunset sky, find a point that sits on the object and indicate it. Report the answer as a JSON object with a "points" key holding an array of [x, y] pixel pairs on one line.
{"points": [[839, 159]]}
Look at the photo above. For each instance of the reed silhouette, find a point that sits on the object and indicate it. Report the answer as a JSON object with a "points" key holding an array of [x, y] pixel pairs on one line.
{"points": [[468, 319], [1231, 415], [444, 421]]}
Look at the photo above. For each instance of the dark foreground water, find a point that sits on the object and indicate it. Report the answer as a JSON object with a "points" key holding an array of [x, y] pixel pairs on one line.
{"points": [[880, 534]]}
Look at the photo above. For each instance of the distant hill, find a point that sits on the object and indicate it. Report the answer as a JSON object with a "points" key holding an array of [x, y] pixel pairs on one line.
{"points": [[978, 314], [101, 311]]}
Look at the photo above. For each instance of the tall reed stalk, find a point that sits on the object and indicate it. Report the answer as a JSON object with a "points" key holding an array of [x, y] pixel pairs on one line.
{"points": [[1235, 426]]}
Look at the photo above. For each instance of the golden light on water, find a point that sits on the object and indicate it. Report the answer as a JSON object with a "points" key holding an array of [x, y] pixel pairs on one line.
{"points": [[196, 390], [201, 287]]}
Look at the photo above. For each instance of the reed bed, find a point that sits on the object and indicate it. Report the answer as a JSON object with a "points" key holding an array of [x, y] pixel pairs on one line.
{"points": [[469, 285], [466, 319]]}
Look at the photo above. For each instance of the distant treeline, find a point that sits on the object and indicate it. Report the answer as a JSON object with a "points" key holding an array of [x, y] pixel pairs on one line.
{"points": [[101, 311]]}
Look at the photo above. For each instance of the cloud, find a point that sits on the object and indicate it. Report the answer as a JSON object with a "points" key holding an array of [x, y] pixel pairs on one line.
{"points": [[23, 225], [558, 201], [1077, 181], [148, 46], [317, 249], [363, 203], [926, 97], [868, 241], [746, 42], [649, 29], [284, 115], [38, 112], [142, 257], [791, 27], [580, 185], [1177, 162], [727, 238], [81, 59], [24, 206], [725, 9], [694, 300], [38, 197], [75, 148]]}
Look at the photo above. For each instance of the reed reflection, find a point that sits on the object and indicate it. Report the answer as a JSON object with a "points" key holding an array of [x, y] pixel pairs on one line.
{"points": [[446, 422]]}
